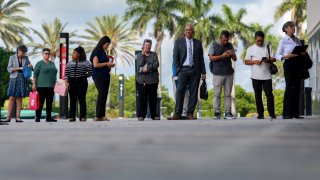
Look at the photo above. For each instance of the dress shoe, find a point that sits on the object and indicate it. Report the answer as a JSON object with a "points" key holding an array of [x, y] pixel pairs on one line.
{"points": [[190, 117], [287, 117], [37, 119], [51, 120], [156, 118], [174, 117], [260, 117], [298, 117], [273, 117]]}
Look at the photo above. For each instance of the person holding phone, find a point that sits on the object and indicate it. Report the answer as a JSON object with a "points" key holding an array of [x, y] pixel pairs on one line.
{"points": [[101, 75], [220, 54], [291, 67], [259, 58], [147, 81]]}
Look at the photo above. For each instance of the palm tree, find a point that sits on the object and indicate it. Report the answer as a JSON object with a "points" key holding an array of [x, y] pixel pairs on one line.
{"points": [[12, 28], [298, 12], [50, 39], [123, 39], [233, 22], [163, 15], [197, 12]]}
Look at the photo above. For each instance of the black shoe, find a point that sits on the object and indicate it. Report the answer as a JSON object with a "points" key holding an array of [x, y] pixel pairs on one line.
{"points": [[273, 117], [18, 120], [37, 119], [72, 119], [216, 115], [51, 120], [140, 119], [156, 118], [260, 117], [287, 117], [298, 117]]}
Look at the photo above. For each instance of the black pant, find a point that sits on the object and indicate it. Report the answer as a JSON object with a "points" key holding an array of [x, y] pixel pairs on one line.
{"points": [[292, 91], [102, 85], [77, 92], [187, 76], [45, 94], [266, 85], [147, 93]]}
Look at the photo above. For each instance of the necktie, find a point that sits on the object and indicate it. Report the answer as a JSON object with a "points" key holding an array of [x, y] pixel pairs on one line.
{"points": [[190, 53]]}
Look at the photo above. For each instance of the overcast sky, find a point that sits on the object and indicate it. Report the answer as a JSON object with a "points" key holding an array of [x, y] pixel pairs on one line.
{"points": [[78, 12]]}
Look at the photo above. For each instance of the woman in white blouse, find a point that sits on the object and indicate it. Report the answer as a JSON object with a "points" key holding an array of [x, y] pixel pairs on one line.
{"points": [[291, 69]]}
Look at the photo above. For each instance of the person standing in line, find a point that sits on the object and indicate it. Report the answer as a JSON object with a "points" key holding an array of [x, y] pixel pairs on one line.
{"points": [[147, 81], [259, 58], [44, 79], [101, 75], [220, 54], [189, 64], [17, 84], [76, 74], [291, 67]]}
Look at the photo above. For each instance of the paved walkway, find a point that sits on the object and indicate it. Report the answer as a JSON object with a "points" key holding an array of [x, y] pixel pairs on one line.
{"points": [[242, 149]]}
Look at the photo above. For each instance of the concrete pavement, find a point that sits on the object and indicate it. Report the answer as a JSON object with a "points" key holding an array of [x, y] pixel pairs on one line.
{"points": [[126, 149]]}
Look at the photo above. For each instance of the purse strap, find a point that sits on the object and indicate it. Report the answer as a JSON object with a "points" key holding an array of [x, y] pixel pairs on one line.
{"points": [[268, 48]]}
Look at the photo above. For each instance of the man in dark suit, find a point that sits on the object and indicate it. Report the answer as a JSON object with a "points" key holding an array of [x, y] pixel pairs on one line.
{"points": [[189, 63]]}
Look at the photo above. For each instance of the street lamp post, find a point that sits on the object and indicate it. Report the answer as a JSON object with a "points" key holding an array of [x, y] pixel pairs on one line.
{"points": [[121, 96], [64, 57]]}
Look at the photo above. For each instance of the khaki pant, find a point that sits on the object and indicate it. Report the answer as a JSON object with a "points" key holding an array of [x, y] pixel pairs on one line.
{"points": [[226, 82]]}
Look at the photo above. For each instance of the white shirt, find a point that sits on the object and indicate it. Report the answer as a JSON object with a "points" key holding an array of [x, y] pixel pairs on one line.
{"points": [[262, 71], [186, 62], [286, 46]]}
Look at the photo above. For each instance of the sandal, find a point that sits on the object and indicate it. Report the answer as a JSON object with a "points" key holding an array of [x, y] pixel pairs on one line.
{"points": [[18, 120], [8, 119]]}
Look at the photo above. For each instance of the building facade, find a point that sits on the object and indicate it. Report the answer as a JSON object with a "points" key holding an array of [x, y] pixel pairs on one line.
{"points": [[313, 30]]}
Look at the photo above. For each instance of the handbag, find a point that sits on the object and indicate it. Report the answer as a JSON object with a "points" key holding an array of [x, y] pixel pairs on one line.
{"points": [[203, 90], [26, 71], [61, 88], [34, 100], [273, 68]]}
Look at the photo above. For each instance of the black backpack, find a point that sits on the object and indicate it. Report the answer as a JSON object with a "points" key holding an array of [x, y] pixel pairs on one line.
{"points": [[203, 90]]}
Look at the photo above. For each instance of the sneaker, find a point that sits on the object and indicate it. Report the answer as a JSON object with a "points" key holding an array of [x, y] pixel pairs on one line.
{"points": [[216, 115], [140, 118], [228, 115]]}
